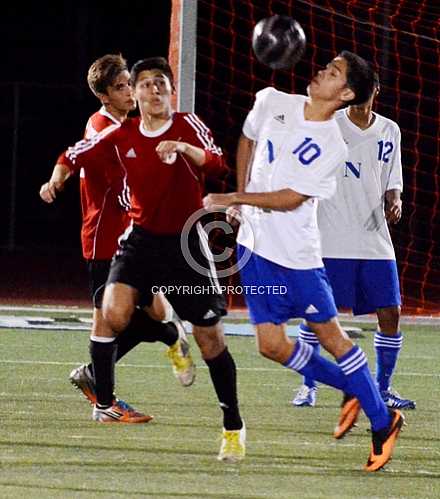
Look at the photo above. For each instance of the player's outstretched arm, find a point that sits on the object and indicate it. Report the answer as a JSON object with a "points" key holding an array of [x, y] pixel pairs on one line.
{"points": [[49, 190], [282, 200]]}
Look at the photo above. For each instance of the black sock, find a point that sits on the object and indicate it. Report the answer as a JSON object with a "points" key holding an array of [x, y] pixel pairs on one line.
{"points": [[224, 378], [143, 328], [103, 359]]}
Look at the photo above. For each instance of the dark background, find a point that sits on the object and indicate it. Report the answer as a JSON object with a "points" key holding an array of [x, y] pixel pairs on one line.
{"points": [[47, 49], [401, 39]]}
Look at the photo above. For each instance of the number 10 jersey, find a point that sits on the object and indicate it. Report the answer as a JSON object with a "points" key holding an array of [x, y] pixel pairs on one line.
{"points": [[291, 153]]}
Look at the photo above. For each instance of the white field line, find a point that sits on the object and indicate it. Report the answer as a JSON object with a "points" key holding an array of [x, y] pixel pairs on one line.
{"points": [[251, 442], [11, 308], [234, 314], [166, 366]]}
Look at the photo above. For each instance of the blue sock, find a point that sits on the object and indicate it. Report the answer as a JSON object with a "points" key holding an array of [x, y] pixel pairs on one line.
{"points": [[305, 361], [308, 336], [362, 386], [387, 352]]}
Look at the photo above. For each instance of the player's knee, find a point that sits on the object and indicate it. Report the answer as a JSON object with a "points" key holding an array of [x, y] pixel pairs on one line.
{"points": [[156, 313], [117, 316], [210, 340], [270, 350], [266, 351], [118, 305], [389, 319], [158, 308]]}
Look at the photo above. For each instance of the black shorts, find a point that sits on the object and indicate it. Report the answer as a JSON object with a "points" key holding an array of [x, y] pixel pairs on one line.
{"points": [[98, 273], [152, 263]]}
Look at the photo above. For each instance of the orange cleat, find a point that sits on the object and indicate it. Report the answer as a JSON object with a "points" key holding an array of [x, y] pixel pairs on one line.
{"points": [[383, 442], [350, 409], [119, 412], [82, 379]]}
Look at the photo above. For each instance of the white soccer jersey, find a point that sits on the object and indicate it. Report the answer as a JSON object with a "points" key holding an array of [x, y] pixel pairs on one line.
{"points": [[352, 222], [291, 153]]}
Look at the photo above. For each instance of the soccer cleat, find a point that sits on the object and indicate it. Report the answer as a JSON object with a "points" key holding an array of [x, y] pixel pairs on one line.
{"points": [[306, 397], [183, 366], [393, 400], [233, 447], [383, 442], [82, 379], [350, 409], [119, 412]]}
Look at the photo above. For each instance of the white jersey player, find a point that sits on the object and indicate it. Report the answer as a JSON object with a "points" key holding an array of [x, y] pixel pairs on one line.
{"points": [[291, 152], [352, 223], [356, 243], [294, 148]]}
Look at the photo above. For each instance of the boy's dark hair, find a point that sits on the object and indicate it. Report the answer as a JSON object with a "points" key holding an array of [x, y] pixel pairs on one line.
{"points": [[103, 72], [360, 77], [159, 63]]}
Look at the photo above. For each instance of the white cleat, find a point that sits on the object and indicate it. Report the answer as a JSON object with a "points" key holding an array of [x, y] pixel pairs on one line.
{"points": [[183, 366], [306, 397], [233, 447]]}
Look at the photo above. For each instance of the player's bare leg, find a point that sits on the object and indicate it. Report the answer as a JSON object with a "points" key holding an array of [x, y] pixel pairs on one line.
{"points": [[118, 305], [160, 309]]}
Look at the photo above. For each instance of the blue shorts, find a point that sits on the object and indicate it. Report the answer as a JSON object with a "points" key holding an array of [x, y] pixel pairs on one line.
{"points": [[363, 285], [276, 294]]}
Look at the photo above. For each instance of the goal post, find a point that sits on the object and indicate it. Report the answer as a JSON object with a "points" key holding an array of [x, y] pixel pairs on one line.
{"points": [[182, 52]]}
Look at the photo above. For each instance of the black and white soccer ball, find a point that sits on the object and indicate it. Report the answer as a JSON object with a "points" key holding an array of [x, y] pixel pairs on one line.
{"points": [[278, 41]]}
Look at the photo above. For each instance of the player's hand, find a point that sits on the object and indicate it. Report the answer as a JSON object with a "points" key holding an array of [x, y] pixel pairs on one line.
{"points": [[48, 192], [218, 201], [167, 150], [393, 212], [233, 215]]}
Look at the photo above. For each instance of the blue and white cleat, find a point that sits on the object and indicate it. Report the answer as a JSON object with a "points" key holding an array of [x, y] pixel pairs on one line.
{"points": [[393, 400], [306, 397]]}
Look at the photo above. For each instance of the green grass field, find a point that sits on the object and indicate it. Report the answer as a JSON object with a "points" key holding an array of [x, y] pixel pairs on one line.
{"points": [[49, 447]]}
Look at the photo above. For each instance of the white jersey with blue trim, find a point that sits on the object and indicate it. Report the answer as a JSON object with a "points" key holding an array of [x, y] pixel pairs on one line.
{"points": [[291, 153], [352, 222]]}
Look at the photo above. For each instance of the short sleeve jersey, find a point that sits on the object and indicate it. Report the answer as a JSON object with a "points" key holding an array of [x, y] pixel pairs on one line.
{"points": [[162, 196], [291, 153], [104, 218], [352, 222]]}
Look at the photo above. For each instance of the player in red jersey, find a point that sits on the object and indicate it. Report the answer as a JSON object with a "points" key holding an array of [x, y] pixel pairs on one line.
{"points": [[104, 202], [165, 156]]}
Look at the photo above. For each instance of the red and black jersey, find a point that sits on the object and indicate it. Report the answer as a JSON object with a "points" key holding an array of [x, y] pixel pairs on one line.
{"points": [[103, 217], [162, 195]]}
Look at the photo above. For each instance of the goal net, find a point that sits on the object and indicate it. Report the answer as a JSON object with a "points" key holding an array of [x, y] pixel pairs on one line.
{"points": [[401, 37]]}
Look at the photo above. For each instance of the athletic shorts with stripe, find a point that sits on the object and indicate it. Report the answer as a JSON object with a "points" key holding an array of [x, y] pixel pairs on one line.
{"points": [[98, 271], [151, 263], [302, 293]]}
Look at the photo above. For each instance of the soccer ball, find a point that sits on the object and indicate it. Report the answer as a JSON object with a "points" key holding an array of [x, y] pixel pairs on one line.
{"points": [[278, 41]]}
